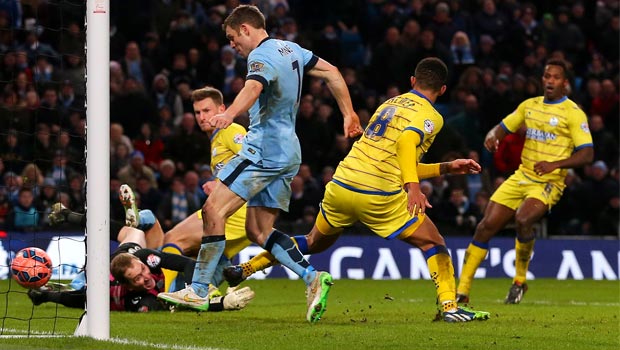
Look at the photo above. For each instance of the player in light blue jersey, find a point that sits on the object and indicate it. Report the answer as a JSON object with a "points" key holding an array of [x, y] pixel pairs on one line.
{"points": [[270, 155]]}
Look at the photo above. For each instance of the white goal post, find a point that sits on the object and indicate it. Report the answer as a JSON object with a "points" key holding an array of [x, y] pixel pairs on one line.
{"points": [[96, 321]]}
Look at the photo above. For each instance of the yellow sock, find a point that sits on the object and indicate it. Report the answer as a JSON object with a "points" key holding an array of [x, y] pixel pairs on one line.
{"points": [[475, 254], [170, 275], [258, 263], [442, 274], [523, 253]]}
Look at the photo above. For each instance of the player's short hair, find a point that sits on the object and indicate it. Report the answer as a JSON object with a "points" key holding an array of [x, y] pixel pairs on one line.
{"points": [[208, 92], [431, 73], [560, 63], [119, 264], [248, 14]]}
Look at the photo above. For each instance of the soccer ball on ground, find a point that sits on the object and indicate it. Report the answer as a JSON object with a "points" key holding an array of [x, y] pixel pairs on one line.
{"points": [[31, 267]]}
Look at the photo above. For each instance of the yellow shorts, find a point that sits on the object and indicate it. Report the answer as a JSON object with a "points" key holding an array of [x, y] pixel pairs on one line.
{"points": [[236, 238], [518, 187], [387, 216]]}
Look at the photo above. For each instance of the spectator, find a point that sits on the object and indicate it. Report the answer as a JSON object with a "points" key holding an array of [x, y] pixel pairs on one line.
{"points": [[193, 188], [47, 197], [599, 190], [117, 135], [136, 169], [119, 159], [149, 143], [132, 108], [136, 67], [605, 145], [13, 152], [77, 196], [457, 215], [150, 198], [23, 217], [167, 173], [187, 146]]}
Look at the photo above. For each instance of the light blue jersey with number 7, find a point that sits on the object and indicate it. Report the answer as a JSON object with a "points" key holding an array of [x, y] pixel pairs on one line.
{"points": [[279, 65]]}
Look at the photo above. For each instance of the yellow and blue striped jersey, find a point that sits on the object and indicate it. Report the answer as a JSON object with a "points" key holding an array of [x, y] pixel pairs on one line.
{"points": [[372, 166], [554, 131], [225, 143]]}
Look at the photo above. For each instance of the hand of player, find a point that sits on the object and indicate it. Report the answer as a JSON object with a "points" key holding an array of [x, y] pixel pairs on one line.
{"points": [[463, 166], [491, 142], [416, 200], [352, 127], [221, 121], [208, 186], [542, 168]]}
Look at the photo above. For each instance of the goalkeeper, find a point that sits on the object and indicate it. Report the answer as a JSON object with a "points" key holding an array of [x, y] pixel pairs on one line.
{"points": [[137, 278]]}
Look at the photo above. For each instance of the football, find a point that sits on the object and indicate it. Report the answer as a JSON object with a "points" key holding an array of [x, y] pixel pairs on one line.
{"points": [[31, 267]]}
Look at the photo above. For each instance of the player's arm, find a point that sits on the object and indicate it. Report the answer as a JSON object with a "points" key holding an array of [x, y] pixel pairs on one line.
{"points": [[508, 125], [494, 137], [337, 86], [407, 161], [242, 103], [455, 167]]}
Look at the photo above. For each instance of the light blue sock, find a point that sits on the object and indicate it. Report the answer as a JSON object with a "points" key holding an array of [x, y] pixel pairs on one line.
{"points": [[218, 275], [281, 246], [211, 249]]}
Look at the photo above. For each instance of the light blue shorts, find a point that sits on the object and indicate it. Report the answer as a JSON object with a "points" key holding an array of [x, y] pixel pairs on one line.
{"points": [[259, 186]]}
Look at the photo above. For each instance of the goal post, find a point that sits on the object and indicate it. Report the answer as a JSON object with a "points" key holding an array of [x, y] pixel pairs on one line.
{"points": [[97, 317]]}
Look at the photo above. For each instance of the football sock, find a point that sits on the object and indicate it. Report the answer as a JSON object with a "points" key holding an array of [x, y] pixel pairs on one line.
{"points": [[211, 249], [266, 260], [442, 273], [170, 275], [475, 254], [523, 253], [258, 263], [283, 249], [218, 275], [302, 244]]}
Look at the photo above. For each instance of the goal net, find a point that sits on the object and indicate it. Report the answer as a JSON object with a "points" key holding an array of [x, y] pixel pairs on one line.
{"points": [[43, 142]]}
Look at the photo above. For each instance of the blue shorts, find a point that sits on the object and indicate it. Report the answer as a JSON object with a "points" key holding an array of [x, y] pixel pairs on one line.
{"points": [[259, 186]]}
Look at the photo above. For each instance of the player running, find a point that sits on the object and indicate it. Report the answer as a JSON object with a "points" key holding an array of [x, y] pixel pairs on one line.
{"points": [[557, 138]]}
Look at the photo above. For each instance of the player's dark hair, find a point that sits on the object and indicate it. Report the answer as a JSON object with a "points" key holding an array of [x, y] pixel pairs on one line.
{"points": [[119, 264], [208, 92], [248, 14], [560, 63], [431, 73]]}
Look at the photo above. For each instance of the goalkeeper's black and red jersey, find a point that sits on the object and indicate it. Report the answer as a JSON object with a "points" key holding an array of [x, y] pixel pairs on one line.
{"points": [[123, 299]]}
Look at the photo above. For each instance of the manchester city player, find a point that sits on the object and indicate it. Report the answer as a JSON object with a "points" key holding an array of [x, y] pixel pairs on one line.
{"points": [[269, 158]]}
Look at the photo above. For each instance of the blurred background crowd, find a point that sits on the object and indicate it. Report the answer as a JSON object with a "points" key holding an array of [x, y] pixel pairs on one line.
{"points": [[160, 50]]}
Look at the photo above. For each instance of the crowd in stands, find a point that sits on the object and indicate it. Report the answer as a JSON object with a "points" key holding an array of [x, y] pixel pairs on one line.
{"points": [[160, 50]]}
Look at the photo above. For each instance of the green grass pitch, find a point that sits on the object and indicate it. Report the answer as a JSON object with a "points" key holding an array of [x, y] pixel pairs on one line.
{"points": [[361, 315]]}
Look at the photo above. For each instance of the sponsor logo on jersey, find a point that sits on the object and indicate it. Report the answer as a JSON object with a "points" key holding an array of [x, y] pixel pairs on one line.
{"points": [[429, 126], [153, 260], [539, 135], [238, 139], [256, 67], [554, 121]]}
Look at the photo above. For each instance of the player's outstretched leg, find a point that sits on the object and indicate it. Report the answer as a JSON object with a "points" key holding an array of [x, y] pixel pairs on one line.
{"points": [[128, 199], [515, 294], [451, 313], [317, 293]]}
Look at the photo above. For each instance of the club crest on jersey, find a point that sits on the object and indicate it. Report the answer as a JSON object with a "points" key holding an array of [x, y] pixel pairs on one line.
{"points": [[429, 126], [585, 127], [152, 260], [238, 138], [553, 121], [256, 67]]}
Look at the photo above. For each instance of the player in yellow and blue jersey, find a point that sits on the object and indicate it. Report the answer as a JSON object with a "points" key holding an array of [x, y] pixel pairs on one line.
{"points": [[270, 156], [378, 184], [557, 138]]}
